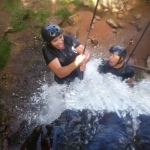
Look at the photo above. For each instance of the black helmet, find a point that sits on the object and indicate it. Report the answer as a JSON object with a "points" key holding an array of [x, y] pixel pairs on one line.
{"points": [[118, 50], [50, 31]]}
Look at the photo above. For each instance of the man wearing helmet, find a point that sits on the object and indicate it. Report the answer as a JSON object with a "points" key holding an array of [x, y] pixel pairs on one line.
{"points": [[63, 54], [117, 66]]}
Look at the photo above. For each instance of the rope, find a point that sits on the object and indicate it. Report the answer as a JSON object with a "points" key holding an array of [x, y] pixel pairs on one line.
{"points": [[138, 42]]}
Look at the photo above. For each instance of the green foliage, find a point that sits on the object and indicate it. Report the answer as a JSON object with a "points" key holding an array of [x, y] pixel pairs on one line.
{"points": [[31, 62], [4, 51], [77, 3], [42, 15], [20, 16], [62, 2], [91, 3], [11, 5], [63, 12], [139, 76], [18, 19], [42, 3]]}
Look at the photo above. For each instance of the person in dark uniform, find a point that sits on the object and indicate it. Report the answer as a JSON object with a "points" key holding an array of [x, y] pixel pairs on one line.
{"points": [[63, 54], [117, 66]]}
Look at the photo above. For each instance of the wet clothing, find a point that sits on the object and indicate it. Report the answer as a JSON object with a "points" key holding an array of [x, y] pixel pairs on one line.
{"points": [[65, 56], [124, 72]]}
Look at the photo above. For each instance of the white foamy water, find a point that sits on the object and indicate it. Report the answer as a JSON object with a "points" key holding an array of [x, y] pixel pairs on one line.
{"points": [[95, 92]]}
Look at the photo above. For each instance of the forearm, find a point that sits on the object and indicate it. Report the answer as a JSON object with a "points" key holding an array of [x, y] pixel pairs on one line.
{"points": [[88, 56], [66, 70], [62, 71], [80, 50], [130, 80]]}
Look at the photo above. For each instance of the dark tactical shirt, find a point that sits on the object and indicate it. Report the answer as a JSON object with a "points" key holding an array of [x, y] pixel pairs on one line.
{"points": [[124, 72], [65, 56]]}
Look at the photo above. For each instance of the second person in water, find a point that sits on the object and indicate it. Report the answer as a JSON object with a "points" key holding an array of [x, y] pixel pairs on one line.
{"points": [[117, 66]]}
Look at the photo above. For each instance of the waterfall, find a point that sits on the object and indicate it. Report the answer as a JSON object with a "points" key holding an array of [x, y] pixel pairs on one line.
{"points": [[102, 92]]}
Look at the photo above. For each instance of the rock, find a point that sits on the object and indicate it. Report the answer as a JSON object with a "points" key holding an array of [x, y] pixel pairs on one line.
{"points": [[114, 30], [120, 5], [138, 27], [120, 16], [115, 10], [148, 61], [97, 17], [104, 3], [3, 122], [128, 7], [84, 130], [55, 20], [142, 138], [70, 33], [32, 139], [146, 75], [4, 144], [137, 16], [133, 22], [105, 10], [86, 3], [71, 7], [101, 138], [9, 29], [74, 19], [4, 76], [120, 25], [112, 23], [94, 42]]}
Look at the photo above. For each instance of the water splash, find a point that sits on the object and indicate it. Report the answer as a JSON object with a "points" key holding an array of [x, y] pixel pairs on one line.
{"points": [[95, 92]]}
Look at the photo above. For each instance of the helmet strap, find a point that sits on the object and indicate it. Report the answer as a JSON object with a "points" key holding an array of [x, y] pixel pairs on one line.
{"points": [[119, 61]]}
